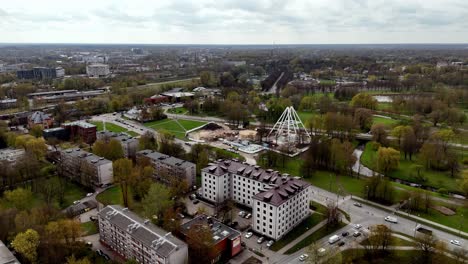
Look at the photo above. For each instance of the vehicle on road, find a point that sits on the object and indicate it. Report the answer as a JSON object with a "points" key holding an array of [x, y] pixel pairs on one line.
{"points": [[356, 234], [89, 194], [423, 230], [345, 234], [241, 213], [341, 243], [303, 257], [357, 204], [455, 242], [357, 226], [333, 239], [76, 202], [93, 218], [270, 243], [260, 240], [195, 201], [248, 235], [391, 219], [248, 216]]}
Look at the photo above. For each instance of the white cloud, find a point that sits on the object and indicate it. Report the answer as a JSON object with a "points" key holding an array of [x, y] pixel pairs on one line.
{"points": [[234, 21]]}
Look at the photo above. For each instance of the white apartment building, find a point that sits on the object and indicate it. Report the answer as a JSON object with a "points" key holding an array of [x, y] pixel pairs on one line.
{"points": [[85, 167], [97, 70], [279, 202], [134, 238]]}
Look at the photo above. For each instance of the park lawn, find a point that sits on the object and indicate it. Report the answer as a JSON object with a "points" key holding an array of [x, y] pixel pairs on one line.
{"points": [[386, 121], [357, 256], [113, 128], [308, 223], [436, 179], [112, 195], [178, 110], [306, 116], [73, 192], [457, 221], [384, 106], [321, 232], [177, 128], [89, 228]]}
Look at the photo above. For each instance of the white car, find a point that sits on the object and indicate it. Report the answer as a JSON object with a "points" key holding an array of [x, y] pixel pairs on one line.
{"points": [[455, 242], [260, 240], [248, 235], [357, 226], [248, 216], [89, 194], [391, 219], [76, 202], [270, 243], [303, 257], [241, 213]]}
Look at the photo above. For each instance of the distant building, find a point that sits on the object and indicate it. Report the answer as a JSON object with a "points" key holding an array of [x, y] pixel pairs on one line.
{"points": [[178, 96], [97, 70], [59, 133], [235, 63], [81, 130], [166, 168], [39, 118], [8, 103], [227, 240], [6, 256], [85, 167], [129, 144], [41, 73], [157, 99], [132, 237]]}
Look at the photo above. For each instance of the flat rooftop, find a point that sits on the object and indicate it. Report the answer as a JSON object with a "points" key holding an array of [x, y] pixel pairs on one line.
{"points": [[82, 124], [219, 230], [90, 157], [163, 158]]}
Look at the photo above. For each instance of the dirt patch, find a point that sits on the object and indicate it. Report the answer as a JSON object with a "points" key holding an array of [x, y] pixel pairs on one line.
{"points": [[444, 210]]}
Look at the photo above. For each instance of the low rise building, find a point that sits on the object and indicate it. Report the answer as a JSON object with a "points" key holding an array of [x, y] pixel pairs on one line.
{"points": [[129, 144], [81, 130], [167, 168], [227, 241], [97, 70], [135, 238], [85, 167], [39, 118], [279, 202], [8, 103]]}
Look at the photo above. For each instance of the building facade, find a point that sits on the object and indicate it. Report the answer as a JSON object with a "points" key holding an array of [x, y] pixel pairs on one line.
{"points": [[85, 167], [97, 70], [129, 144], [135, 238], [8, 103], [42, 119], [269, 194], [41, 73], [167, 168], [80, 130]]}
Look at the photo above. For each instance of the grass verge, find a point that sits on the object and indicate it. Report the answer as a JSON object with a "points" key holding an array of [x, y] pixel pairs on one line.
{"points": [[321, 232], [89, 228]]}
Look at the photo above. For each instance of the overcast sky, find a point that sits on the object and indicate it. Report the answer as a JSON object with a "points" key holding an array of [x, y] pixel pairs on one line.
{"points": [[234, 21]]}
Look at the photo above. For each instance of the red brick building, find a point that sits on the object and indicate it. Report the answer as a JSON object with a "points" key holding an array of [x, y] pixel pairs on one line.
{"points": [[81, 130]]}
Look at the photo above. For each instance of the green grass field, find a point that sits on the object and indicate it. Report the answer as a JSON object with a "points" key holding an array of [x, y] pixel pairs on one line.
{"points": [[386, 121], [178, 110], [89, 228], [175, 127], [308, 223], [306, 116], [113, 128], [112, 195], [406, 171], [357, 256]]}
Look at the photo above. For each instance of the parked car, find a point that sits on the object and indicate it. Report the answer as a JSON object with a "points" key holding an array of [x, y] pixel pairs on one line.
{"points": [[248, 235], [344, 234], [270, 243], [99, 252], [195, 201], [303, 257], [93, 218], [192, 196], [455, 242], [357, 204], [248, 216], [357, 226], [241, 213], [89, 244], [76, 202], [89, 194], [181, 216], [333, 239], [341, 243], [356, 234], [260, 240]]}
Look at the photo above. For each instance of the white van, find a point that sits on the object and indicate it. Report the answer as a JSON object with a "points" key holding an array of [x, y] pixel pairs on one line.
{"points": [[333, 239], [391, 219]]}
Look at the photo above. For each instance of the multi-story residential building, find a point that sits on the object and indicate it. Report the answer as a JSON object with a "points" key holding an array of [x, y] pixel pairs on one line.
{"points": [[84, 167], [41, 73], [227, 241], [279, 202], [134, 238], [97, 70], [81, 130], [129, 144], [167, 168]]}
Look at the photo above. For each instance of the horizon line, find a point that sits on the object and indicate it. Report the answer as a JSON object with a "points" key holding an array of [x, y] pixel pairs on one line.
{"points": [[226, 44]]}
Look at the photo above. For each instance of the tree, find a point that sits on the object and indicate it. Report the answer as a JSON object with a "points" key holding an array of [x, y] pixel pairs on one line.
{"points": [[379, 133], [201, 244], [363, 118], [364, 100], [111, 150], [333, 215], [36, 131], [147, 141], [388, 159], [141, 181], [157, 201], [427, 244], [122, 175], [26, 244], [73, 260], [378, 240], [19, 197]]}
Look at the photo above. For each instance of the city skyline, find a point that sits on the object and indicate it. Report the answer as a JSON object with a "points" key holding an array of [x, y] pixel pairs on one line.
{"points": [[235, 22]]}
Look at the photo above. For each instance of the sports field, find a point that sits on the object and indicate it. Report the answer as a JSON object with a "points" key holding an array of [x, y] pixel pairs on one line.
{"points": [[176, 127]]}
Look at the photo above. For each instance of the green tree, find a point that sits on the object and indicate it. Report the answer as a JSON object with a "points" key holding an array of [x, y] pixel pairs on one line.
{"points": [[379, 133], [388, 159], [26, 244], [364, 100], [147, 141], [201, 244], [20, 198], [157, 201], [122, 175]]}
